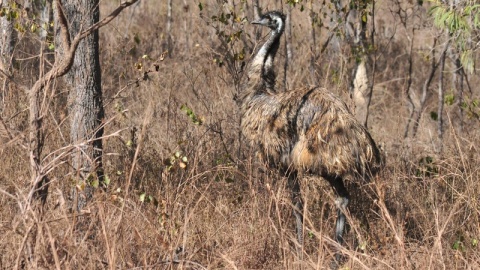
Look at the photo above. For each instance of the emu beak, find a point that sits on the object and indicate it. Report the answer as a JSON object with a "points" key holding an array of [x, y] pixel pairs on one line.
{"points": [[259, 21]]}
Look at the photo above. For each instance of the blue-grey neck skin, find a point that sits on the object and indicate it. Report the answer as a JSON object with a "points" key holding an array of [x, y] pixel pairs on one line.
{"points": [[268, 71], [261, 74], [264, 53]]}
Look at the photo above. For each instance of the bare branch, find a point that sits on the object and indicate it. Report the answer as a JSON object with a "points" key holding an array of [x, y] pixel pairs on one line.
{"points": [[67, 60], [64, 33], [107, 19]]}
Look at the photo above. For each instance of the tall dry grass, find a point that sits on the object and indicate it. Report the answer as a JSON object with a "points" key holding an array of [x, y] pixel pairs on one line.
{"points": [[193, 196]]}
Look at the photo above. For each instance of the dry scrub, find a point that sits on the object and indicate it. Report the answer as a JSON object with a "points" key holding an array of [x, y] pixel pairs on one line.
{"points": [[186, 191]]}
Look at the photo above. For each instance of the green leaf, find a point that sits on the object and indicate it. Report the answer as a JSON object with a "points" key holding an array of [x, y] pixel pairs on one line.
{"points": [[458, 245], [449, 99], [364, 18], [136, 39], [106, 180], [94, 183], [200, 6], [142, 197], [434, 116], [467, 60], [475, 103]]}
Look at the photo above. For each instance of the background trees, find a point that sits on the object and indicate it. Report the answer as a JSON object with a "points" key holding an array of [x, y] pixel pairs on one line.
{"points": [[182, 185]]}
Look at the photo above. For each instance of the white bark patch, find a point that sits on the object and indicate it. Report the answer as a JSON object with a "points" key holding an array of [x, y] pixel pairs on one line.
{"points": [[360, 92]]}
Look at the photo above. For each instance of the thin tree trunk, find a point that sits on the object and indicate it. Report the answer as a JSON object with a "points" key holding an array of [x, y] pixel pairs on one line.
{"points": [[256, 16], [8, 38], [288, 46], [169, 28], [288, 32], [409, 83], [187, 26], [426, 86], [362, 84], [42, 9], [313, 44], [373, 62], [458, 85], [441, 96], [86, 109]]}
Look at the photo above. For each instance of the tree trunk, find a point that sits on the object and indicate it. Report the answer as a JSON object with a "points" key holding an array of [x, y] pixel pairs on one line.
{"points": [[441, 96], [256, 16], [458, 86], [187, 25], [86, 106], [42, 10], [7, 44], [313, 44], [362, 79], [361, 91], [169, 28], [426, 86], [288, 46]]}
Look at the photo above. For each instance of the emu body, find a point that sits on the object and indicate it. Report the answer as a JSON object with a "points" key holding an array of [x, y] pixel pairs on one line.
{"points": [[305, 130], [309, 130]]}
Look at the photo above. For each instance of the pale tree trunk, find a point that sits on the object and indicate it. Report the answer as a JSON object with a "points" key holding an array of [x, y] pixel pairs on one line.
{"points": [[288, 46], [85, 98], [7, 45], [313, 43], [187, 25], [43, 10], [256, 16], [364, 70], [169, 28], [360, 91], [441, 95], [457, 84]]}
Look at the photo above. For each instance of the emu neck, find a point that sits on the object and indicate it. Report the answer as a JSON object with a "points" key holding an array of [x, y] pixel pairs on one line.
{"points": [[268, 73], [262, 60]]}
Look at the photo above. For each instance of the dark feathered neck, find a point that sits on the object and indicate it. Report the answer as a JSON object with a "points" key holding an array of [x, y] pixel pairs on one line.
{"points": [[261, 66]]}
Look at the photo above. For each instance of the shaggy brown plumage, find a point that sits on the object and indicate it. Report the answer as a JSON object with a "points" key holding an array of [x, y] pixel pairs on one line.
{"points": [[309, 130], [304, 130]]}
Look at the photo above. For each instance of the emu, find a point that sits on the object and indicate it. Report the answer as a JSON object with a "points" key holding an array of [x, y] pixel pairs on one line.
{"points": [[305, 130]]}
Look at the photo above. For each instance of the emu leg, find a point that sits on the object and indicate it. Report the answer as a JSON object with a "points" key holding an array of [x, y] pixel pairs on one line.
{"points": [[297, 212], [341, 202]]}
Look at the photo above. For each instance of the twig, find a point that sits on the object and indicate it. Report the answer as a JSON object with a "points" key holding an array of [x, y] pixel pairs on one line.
{"points": [[7, 194], [52, 246], [25, 237]]}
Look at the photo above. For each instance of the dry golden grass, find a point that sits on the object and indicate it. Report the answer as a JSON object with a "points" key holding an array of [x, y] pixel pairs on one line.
{"points": [[207, 202]]}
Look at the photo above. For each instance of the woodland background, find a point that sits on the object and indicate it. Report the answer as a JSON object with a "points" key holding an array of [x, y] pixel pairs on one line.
{"points": [[184, 190]]}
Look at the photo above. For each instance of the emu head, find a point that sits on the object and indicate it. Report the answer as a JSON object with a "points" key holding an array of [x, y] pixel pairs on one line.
{"points": [[274, 20]]}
